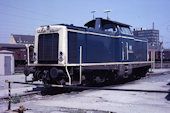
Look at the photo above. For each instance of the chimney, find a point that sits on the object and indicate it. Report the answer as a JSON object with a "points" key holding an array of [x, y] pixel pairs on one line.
{"points": [[153, 26]]}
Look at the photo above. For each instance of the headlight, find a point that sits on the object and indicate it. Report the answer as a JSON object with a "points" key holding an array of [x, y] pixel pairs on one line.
{"points": [[61, 57], [34, 57]]}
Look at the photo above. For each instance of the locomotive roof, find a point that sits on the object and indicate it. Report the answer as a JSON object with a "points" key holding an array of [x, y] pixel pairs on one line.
{"points": [[105, 21]]}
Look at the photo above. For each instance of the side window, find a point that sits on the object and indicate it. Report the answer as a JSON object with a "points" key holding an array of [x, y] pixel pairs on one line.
{"points": [[110, 28], [125, 30]]}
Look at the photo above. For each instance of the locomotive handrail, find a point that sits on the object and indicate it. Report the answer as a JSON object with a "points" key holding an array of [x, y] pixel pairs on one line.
{"points": [[68, 74], [80, 65], [28, 54]]}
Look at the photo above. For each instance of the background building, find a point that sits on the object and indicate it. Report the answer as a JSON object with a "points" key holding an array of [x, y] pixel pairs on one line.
{"points": [[152, 35], [21, 39], [19, 45], [156, 52], [7, 62]]}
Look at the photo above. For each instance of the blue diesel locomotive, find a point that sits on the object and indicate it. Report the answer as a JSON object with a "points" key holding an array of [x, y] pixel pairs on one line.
{"points": [[102, 51]]}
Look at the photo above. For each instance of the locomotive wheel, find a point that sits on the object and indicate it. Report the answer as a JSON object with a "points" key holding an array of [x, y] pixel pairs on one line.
{"points": [[36, 75], [53, 73], [117, 77], [84, 81], [57, 76], [26, 71]]}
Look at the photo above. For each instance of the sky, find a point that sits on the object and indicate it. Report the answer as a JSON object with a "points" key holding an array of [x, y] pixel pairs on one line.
{"points": [[24, 16]]}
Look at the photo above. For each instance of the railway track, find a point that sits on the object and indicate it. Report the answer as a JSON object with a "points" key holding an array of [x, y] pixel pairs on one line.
{"points": [[21, 95], [52, 89], [38, 90], [42, 89]]}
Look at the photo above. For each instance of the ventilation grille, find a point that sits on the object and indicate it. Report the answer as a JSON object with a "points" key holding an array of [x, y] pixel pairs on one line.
{"points": [[48, 48]]}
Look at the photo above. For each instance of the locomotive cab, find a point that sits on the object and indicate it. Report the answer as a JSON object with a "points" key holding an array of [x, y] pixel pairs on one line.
{"points": [[110, 27]]}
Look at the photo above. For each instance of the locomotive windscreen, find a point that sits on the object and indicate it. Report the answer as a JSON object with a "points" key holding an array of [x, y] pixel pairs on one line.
{"points": [[48, 48]]}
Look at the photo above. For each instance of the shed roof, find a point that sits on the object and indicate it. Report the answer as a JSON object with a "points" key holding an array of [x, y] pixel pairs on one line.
{"points": [[24, 39], [6, 52], [2, 45]]}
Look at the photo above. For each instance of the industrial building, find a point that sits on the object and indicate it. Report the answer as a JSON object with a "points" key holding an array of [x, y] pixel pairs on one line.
{"points": [[156, 51], [151, 34]]}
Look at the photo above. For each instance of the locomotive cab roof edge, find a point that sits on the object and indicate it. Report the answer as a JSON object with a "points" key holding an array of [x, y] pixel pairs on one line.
{"points": [[105, 21]]}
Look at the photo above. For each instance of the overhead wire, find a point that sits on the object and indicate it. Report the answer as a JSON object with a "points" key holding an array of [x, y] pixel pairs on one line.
{"points": [[17, 25], [25, 17], [16, 28], [21, 16], [28, 10]]}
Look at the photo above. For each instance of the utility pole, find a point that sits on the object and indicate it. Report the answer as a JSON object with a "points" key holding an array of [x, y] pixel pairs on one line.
{"points": [[153, 56], [161, 43]]}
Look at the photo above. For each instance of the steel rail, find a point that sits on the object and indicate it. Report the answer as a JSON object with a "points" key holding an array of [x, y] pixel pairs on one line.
{"points": [[93, 88]]}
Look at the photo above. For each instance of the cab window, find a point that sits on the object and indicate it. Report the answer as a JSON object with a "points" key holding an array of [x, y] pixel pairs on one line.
{"points": [[125, 30], [109, 28]]}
